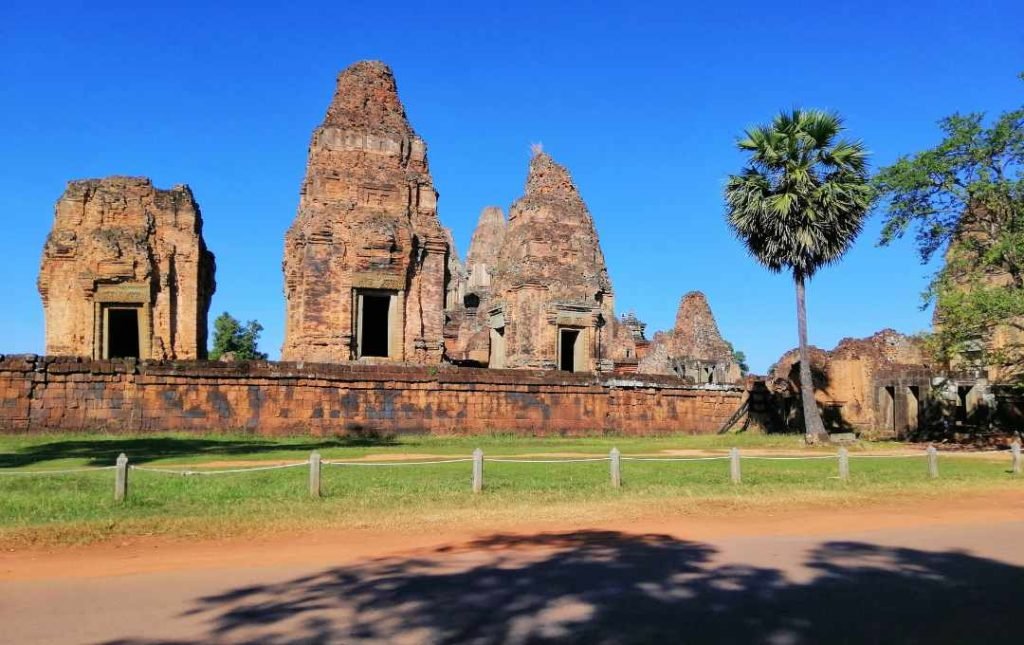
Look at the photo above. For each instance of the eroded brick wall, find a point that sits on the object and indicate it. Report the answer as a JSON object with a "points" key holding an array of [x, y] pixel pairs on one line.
{"points": [[46, 393]]}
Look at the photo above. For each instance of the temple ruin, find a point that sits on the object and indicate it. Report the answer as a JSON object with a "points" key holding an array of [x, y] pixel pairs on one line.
{"points": [[551, 298], [999, 356], [882, 386], [629, 344], [125, 272], [366, 258], [694, 348], [467, 333]]}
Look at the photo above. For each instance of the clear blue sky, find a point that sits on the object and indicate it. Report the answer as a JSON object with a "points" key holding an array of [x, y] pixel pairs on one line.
{"points": [[642, 101]]}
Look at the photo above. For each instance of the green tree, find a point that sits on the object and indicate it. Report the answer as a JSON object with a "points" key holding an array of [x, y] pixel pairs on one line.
{"points": [[965, 196], [740, 358], [798, 205], [229, 335]]}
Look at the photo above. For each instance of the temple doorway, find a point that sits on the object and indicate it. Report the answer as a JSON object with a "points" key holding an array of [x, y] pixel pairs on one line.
{"points": [[122, 332], [567, 349], [496, 359], [374, 323]]}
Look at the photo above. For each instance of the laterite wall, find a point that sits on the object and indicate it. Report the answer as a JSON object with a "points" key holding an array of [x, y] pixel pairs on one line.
{"points": [[47, 393]]}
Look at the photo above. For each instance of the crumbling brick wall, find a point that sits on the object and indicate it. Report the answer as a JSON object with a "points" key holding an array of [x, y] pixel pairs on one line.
{"points": [[47, 394]]}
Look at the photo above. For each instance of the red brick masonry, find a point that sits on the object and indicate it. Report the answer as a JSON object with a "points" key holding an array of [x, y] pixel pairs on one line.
{"points": [[50, 393]]}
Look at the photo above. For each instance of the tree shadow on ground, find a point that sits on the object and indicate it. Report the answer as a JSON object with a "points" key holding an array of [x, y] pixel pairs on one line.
{"points": [[611, 587], [104, 451]]}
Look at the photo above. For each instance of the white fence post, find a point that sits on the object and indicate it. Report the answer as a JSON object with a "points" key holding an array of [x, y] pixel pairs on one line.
{"points": [[844, 463], [478, 470], [615, 457], [933, 462], [734, 465], [314, 474], [1015, 456], [121, 478]]}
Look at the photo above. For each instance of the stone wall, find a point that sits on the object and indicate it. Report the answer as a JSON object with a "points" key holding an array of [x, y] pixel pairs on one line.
{"points": [[878, 385], [45, 393]]}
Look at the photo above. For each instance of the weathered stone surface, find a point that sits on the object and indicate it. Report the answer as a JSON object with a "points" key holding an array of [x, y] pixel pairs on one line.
{"points": [[366, 233], [693, 348], [877, 384], [484, 248], [999, 355], [455, 274], [550, 287], [629, 344], [43, 393], [121, 250], [467, 333]]}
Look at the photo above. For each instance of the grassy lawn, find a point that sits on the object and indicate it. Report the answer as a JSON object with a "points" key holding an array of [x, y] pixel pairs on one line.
{"points": [[70, 450], [78, 507]]}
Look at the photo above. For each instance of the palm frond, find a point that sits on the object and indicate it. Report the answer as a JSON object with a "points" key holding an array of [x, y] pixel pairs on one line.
{"points": [[802, 198]]}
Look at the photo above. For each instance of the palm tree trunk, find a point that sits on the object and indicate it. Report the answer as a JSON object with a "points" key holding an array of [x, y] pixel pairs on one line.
{"points": [[813, 427]]}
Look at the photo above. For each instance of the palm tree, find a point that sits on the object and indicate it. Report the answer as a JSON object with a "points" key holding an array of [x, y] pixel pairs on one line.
{"points": [[798, 205]]}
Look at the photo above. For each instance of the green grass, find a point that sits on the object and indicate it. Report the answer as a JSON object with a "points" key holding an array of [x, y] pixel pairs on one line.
{"points": [[79, 507], [70, 450]]}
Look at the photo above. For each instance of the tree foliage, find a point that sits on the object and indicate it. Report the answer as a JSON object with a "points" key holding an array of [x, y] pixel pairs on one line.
{"points": [[229, 335], [965, 196], [740, 358], [801, 200], [798, 205]]}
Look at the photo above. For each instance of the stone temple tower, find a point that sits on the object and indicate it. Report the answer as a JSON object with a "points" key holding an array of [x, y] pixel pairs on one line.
{"points": [[365, 260], [551, 295], [126, 273], [693, 348]]}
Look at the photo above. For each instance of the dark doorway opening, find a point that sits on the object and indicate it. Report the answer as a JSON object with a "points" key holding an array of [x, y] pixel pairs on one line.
{"points": [[471, 301], [913, 410], [962, 393], [567, 353], [122, 333], [375, 328], [889, 408]]}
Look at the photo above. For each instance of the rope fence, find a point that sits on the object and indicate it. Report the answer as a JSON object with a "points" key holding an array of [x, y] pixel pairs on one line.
{"points": [[545, 461], [673, 458], [396, 463], [230, 471], [614, 458], [63, 471]]}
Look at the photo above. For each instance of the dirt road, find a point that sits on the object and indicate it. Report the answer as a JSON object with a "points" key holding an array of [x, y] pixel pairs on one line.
{"points": [[929, 572]]}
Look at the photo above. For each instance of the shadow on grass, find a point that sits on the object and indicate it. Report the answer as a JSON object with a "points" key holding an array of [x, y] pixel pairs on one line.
{"points": [[104, 451], [611, 587]]}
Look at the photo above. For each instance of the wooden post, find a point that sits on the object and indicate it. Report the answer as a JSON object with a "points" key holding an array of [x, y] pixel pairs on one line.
{"points": [[734, 465], [844, 463], [933, 462], [616, 462], [1015, 466], [121, 478], [478, 470], [314, 474]]}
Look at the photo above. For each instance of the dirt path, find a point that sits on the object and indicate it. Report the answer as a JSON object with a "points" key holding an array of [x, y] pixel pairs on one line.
{"points": [[152, 554], [931, 571]]}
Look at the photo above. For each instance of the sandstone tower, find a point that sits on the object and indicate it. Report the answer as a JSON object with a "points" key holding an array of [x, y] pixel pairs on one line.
{"points": [[694, 348], [467, 331], [551, 295], [126, 273], [484, 247], [365, 259]]}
